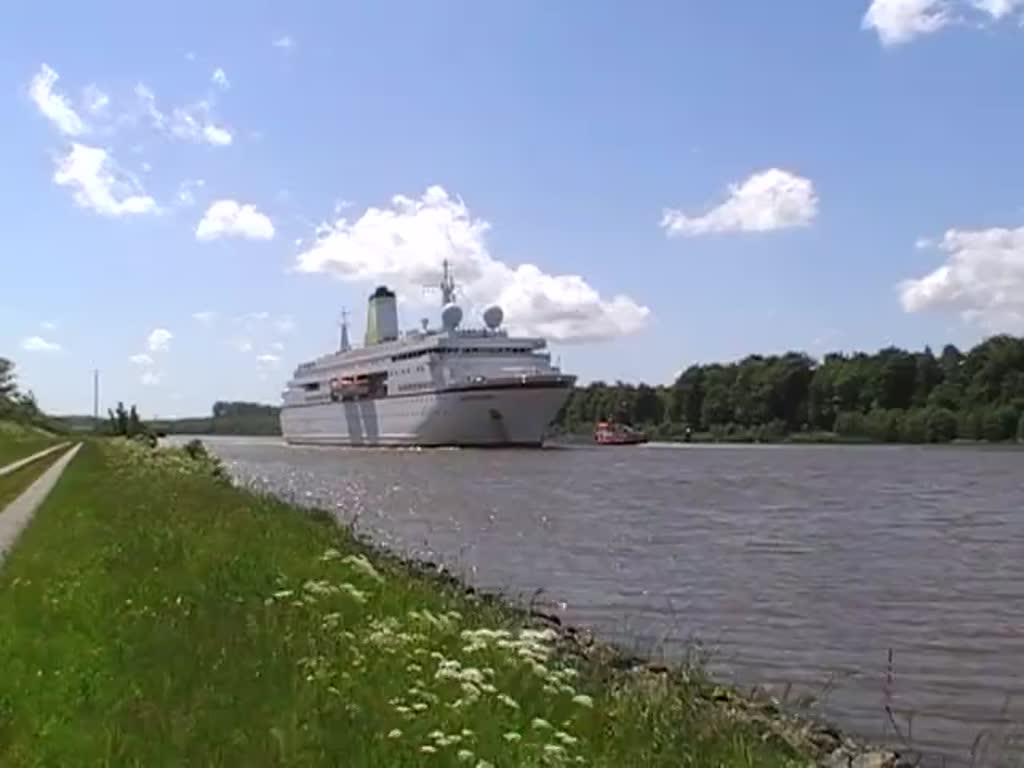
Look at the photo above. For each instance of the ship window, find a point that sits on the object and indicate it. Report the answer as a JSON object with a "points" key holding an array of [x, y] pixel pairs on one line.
{"points": [[312, 387]]}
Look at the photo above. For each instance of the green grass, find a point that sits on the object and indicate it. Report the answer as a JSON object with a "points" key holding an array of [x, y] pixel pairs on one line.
{"points": [[153, 616], [11, 485], [17, 441]]}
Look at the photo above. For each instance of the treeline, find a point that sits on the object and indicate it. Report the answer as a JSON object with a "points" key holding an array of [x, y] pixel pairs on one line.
{"points": [[891, 396], [226, 418], [18, 406]]}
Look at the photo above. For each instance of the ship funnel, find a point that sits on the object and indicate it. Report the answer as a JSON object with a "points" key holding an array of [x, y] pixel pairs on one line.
{"points": [[381, 317]]}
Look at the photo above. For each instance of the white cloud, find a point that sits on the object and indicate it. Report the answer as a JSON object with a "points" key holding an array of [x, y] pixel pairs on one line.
{"points": [[277, 346], [46, 325], [141, 359], [158, 339], [284, 324], [150, 378], [769, 200], [96, 101], [982, 279], [284, 42], [406, 242], [214, 134], [98, 183], [55, 106], [193, 123], [39, 344], [900, 21], [243, 345], [227, 218], [220, 79], [998, 9], [268, 359], [186, 192], [206, 317]]}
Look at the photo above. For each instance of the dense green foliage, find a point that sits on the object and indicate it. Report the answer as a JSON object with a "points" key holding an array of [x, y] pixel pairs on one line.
{"points": [[16, 406], [124, 422], [152, 615], [892, 395], [227, 418]]}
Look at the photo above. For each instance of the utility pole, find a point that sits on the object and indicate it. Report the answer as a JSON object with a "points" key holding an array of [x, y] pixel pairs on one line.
{"points": [[95, 399]]}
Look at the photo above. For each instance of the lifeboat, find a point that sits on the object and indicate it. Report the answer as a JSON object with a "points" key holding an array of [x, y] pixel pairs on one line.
{"points": [[349, 387], [612, 433]]}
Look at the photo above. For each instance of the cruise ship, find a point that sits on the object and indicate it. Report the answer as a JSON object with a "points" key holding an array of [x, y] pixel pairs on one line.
{"points": [[447, 386]]}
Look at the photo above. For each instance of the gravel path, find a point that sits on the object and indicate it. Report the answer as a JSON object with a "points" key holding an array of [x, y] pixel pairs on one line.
{"points": [[16, 465], [17, 514]]}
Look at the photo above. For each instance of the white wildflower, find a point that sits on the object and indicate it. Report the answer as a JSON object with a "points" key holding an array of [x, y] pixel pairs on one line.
{"points": [[566, 738], [362, 565], [583, 700], [465, 755], [512, 737], [541, 724], [356, 594], [428, 749], [330, 554], [395, 734]]}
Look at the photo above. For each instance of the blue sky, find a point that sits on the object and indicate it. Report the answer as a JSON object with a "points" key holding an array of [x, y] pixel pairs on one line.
{"points": [[192, 193]]}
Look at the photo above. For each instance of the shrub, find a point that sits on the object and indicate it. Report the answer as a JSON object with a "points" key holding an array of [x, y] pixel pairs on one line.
{"points": [[941, 425], [850, 424], [914, 427], [1000, 423]]}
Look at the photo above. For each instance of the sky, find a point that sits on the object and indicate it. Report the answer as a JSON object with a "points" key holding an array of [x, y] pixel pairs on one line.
{"points": [[191, 193]]}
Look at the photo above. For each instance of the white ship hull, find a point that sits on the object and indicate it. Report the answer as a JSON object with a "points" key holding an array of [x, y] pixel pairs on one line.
{"points": [[500, 416]]}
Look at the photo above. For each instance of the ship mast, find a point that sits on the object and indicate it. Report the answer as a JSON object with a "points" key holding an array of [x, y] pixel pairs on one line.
{"points": [[343, 345], [447, 285]]}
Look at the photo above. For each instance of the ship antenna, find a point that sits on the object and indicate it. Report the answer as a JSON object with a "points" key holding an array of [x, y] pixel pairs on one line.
{"points": [[447, 285], [344, 345]]}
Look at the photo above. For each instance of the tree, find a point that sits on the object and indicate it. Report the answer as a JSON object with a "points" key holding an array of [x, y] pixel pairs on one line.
{"points": [[118, 420], [940, 425], [1000, 423], [893, 394], [647, 406], [927, 376], [8, 384]]}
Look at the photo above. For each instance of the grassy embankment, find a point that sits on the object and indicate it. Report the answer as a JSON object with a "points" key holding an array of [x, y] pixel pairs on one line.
{"points": [[17, 441], [153, 615]]}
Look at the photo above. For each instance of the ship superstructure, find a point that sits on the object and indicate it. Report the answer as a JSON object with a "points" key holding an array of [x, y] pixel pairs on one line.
{"points": [[426, 387]]}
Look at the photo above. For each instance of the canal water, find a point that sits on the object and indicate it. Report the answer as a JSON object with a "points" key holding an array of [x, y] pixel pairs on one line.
{"points": [[799, 568]]}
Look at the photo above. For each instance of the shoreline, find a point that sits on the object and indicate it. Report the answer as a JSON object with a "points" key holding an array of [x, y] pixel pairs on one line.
{"points": [[822, 741], [186, 591]]}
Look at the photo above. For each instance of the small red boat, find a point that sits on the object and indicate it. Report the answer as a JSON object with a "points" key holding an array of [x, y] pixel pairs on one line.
{"points": [[613, 433]]}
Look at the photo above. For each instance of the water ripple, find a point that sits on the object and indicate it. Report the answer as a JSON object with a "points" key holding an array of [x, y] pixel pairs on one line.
{"points": [[798, 566]]}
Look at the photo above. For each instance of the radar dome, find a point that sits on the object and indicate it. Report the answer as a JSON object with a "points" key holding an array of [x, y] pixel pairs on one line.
{"points": [[451, 316], [493, 317]]}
